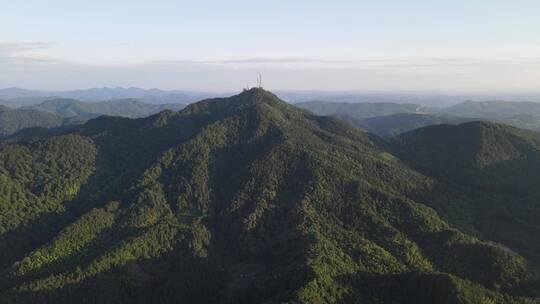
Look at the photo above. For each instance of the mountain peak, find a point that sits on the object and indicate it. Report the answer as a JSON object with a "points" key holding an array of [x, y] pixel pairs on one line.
{"points": [[254, 97], [257, 95]]}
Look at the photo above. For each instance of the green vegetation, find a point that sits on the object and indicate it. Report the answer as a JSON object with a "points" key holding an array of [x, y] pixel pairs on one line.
{"points": [[86, 110], [12, 121], [250, 200]]}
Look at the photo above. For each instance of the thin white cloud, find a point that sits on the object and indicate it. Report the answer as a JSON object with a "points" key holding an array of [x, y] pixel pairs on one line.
{"points": [[382, 63], [21, 53], [13, 48], [27, 65]]}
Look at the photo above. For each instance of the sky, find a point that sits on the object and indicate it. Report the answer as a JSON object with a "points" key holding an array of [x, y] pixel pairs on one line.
{"points": [[472, 45]]}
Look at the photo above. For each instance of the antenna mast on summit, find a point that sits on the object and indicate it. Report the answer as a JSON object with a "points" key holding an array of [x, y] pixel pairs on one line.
{"points": [[259, 80]]}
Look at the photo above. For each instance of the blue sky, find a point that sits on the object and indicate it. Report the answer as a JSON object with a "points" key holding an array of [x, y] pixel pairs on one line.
{"points": [[221, 45]]}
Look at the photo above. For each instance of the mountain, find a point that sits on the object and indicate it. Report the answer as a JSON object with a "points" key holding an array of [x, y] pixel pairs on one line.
{"points": [[60, 112], [389, 119], [524, 115], [9, 93], [358, 110], [22, 101], [496, 169], [100, 94], [425, 98], [150, 96], [523, 121], [86, 110], [395, 124], [12, 121], [383, 119], [249, 199], [494, 109]]}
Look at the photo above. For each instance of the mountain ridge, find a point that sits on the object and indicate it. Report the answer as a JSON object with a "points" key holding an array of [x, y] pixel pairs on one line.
{"points": [[154, 96], [235, 200]]}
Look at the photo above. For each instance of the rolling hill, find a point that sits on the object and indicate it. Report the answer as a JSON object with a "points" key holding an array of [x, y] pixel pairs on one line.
{"points": [[395, 124], [27, 97], [248, 199], [13, 120], [494, 109], [358, 110], [496, 169], [124, 107], [524, 115]]}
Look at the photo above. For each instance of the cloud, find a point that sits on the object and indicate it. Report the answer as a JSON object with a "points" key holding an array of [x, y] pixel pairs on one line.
{"points": [[394, 65], [20, 65], [7, 49], [16, 53]]}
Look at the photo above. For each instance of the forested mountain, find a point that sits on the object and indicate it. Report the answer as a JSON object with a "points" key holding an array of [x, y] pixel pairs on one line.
{"points": [[13, 120], [390, 119], [383, 119], [496, 169], [519, 114], [86, 110], [494, 109], [395, 124], [248, 199], [358, 110], [15, 103], [58, 112]]}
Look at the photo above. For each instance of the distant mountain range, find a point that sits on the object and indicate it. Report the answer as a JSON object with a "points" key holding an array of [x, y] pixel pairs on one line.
{"points": [[388, 119], [494, 109], [131, 108], [359, 110], [428, 99], [395, 124], [382, 118], [59, 112], [20, 97]]}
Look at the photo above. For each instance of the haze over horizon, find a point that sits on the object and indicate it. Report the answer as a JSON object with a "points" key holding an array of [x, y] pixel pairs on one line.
{"points": [[220, 47]]}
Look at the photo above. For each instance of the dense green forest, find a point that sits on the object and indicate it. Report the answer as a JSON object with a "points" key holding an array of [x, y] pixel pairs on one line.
{"points": [[249, 199]]}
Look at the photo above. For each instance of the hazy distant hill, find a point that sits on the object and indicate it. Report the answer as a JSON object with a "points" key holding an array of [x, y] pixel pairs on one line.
{"points": [[429, 99], [122, 107], [388, 119], [391, 125], [57, 112], [9, 93], [101, 94], [13, 120], [520, 114], [494, 109], [248, 199], [358, 110], [384, 119], [149, 96], [23, 101]]}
